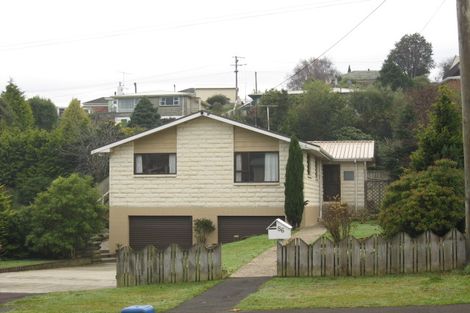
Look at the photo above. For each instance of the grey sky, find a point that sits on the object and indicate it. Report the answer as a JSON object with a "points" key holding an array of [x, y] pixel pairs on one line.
{"points": [[66, 49]]}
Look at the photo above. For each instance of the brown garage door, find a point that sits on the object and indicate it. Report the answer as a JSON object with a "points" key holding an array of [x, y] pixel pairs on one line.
{"points": [[233, 228], [160, 231]]}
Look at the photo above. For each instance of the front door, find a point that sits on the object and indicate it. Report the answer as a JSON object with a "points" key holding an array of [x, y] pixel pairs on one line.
{"points": [[331, 182]]}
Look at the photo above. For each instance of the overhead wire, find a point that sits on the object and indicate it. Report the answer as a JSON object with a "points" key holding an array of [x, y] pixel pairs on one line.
{"points": [[211, 20], [433, 15], [334, 44]]}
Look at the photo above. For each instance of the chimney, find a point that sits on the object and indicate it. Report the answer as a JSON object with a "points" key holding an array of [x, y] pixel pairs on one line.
{"points": [[135, 87]]}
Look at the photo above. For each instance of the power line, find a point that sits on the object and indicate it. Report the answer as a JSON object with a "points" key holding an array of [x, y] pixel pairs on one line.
{"points": [[433, 15], [334, 44], [211, 20]]}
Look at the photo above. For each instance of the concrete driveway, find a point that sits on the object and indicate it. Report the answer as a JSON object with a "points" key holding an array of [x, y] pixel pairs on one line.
{"points": [[88, 277]]}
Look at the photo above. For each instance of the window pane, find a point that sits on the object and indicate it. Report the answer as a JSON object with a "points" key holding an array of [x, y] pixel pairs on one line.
{"points": [[348, 175], [256, 167], [158, 163]]}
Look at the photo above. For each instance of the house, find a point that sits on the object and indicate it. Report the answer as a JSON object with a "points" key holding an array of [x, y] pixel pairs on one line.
{"points": [[99, 105], [361, 78], [205, 93], [452, 76], [170, 104], [207, 166]]}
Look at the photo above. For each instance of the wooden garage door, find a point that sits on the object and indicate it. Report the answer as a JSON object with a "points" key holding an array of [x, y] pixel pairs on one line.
{"points": [[160, 231], [233, 228]]}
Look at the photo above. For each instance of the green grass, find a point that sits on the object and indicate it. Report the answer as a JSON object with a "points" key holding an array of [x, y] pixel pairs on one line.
{"points": [[287, 293], [363, 230], [162, 297], [236, 254], [16, 263]]}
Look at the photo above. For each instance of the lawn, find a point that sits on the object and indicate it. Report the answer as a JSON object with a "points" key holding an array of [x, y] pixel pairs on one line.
{"points": [[238, 253], [363, 230], [16, 263], [162, 297], [431, 289]]}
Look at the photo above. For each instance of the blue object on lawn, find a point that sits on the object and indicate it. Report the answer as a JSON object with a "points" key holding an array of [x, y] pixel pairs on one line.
{"points": [[139, 309]]}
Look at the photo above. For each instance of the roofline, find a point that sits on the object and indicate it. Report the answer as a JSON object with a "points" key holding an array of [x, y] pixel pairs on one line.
{"points": [[170, 93], [303, 145]]}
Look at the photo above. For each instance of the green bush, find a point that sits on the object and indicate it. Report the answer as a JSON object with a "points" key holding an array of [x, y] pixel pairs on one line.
{"points": [[337, 220], [430, 200], [65, 217], [203, 227]]}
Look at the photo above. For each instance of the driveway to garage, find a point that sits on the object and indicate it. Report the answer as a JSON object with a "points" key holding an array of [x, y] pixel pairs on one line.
{"points": [[102, 275]]}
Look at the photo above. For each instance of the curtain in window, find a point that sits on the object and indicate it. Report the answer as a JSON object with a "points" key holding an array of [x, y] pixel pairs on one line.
{"points": [[138, 164], [172, 163], [271, 166], [238, 167]]}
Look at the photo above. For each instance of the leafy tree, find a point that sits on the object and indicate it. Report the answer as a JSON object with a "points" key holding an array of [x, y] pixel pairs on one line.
{"points": [[413, 55], [65, 217], [311, 69], [429, 200], [216, 102], [442, 138], [351, 133], [280, 102], [376, 110], [74, 122], [319, 113], [145, 115], [44, 112], [392, 76], [294, 185], [5, 208], [16, 111], [29, 161], [14, 226]]}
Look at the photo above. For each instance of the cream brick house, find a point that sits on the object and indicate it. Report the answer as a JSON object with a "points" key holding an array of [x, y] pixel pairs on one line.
{"points": [[207, 166]]}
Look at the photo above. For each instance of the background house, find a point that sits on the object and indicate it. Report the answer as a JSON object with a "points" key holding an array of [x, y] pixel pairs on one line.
{"points": [[169, 104], [205, 93], [207, 166], [100, 105]]}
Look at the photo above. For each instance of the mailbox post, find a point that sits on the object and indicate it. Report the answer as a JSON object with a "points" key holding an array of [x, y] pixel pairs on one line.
{"points": [[279, 230]]}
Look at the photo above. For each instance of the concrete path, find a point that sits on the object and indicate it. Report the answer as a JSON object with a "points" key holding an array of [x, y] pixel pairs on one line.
{"points": [[62, 279], [265, 263], [223, 297]]}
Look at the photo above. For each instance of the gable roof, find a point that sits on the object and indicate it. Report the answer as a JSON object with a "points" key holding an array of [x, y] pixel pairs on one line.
{"points": [[99, 101], [348, 150], [304, 145]]}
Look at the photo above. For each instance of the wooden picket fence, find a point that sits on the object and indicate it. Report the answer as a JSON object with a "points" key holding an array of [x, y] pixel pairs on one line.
{"points": [[372, 256], [153, 266]]}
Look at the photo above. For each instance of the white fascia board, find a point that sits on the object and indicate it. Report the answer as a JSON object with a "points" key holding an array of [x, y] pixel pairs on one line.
{"points": [[107, 148]]}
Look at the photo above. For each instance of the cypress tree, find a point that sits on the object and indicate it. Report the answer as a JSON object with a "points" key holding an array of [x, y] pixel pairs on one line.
{"points": [[294, 185]]}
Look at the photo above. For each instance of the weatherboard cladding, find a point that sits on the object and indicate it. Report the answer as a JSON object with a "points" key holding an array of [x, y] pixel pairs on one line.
{"points": [[360, 150]]}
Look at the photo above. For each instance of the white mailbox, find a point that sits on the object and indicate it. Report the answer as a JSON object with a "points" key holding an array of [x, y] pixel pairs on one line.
{"points": [[279, 230]]}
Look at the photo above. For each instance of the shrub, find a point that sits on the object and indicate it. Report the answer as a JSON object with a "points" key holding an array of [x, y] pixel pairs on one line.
{"points": [[337, 220], [203, 227], [294, 186], [65, 217], [430, 200]]}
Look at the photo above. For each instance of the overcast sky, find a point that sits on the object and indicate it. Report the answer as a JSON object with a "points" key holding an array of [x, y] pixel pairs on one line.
{"points": [[65, 49]]}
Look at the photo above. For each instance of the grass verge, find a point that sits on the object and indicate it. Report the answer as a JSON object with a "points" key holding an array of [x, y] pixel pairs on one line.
{"points": [[16, 263], [162, 297], [297, 293], [236, 254]]}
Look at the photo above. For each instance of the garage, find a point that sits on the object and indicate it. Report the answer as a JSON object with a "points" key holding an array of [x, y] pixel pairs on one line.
{"points": [[233, 228], [160, 231]]}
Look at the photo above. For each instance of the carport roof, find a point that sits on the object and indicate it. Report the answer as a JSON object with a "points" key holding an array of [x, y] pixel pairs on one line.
{"points": [[348, 150]]}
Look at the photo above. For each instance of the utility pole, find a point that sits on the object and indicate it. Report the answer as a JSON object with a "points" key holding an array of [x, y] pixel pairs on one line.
{"points": [[237, 59], [463, 18], [267, 113]]}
